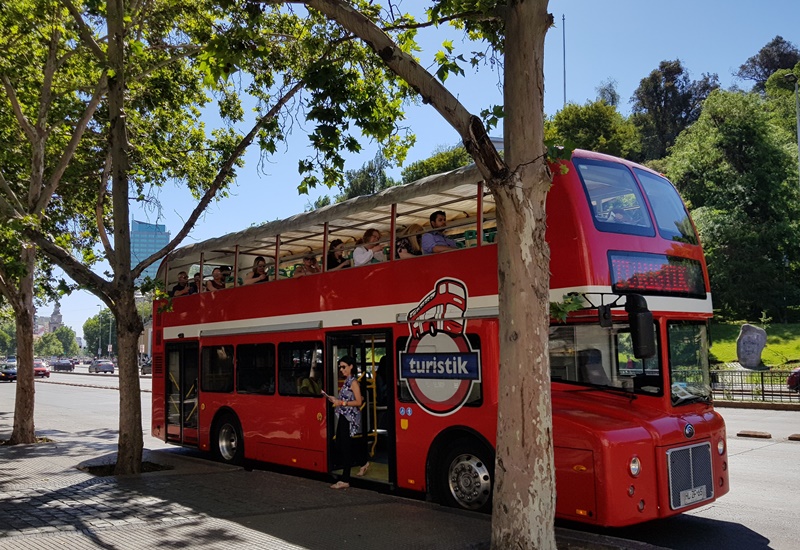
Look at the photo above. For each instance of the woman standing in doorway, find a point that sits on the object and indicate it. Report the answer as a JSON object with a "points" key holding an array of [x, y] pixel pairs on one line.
{"points": [[348, 419]]}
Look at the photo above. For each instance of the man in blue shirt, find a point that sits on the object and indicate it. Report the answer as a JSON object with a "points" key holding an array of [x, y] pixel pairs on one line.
{"points": [[435, 241]]}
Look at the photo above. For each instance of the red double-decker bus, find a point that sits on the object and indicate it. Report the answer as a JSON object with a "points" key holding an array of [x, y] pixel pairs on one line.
{"points": [[238, 372]]}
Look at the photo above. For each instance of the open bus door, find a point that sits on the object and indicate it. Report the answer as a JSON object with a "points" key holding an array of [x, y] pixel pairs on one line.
{"points": [[181, 392], [373, 355]]}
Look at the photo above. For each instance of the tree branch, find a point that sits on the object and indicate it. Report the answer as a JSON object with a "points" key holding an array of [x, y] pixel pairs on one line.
{"points": [[243, 144], [85, 33], [27, 127], [43, 199], [79, 273], [99, 209], [9, 199], [470, 128]]}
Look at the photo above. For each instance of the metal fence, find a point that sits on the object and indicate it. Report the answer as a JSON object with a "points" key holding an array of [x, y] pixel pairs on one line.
{"points": [[746, 385]]}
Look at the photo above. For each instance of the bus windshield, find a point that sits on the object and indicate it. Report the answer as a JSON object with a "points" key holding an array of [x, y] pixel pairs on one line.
{"points": [[598, 356], [688, 357]]}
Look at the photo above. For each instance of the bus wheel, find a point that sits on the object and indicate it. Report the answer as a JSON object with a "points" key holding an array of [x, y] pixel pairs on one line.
{"points": [[229, 446], [467, 476]]}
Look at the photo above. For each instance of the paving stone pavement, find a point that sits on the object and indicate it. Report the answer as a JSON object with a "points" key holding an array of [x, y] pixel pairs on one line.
{"points": [[47, 502]]}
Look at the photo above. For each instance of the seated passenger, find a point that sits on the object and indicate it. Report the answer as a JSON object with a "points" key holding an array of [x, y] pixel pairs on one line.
{"points": [[308, 267], [370, 250], [336, 259], [196, 285], [408, 245], [259, 272], [435, 242], [216, 282], [182, 288]]}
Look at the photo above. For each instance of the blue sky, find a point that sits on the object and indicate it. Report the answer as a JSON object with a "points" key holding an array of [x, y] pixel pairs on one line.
{"points": [[623, 40]]}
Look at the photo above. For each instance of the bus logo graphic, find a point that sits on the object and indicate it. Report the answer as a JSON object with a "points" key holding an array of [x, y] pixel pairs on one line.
{"points": [[439, 364]]}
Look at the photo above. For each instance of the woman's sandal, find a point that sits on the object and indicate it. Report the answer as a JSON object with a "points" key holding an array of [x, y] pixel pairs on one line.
{"points": [[340, 485], [363, 471]]}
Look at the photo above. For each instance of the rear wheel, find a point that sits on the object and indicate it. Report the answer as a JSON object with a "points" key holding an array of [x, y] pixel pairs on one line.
{"points": [[228, 443], [467, 476]]}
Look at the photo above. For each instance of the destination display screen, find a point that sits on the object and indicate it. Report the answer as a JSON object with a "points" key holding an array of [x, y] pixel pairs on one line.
{"points": [[656, 274]]}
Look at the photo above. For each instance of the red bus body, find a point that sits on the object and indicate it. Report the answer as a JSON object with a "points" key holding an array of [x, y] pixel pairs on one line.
{"points": [[624, 454]]}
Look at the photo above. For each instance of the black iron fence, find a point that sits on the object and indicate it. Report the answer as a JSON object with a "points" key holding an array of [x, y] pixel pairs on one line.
{"points": [[747, 385]]}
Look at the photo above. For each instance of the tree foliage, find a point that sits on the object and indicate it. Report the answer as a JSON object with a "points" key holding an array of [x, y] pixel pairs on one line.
{"points": [[596, 126], [69, 344], [442, 160], [370, 178], [666, 102], [48, 345], [735, 169], [775, 55]]}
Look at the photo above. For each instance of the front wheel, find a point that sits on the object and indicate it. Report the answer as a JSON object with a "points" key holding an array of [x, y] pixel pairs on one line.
{"points": [[228, 443], [467, 474]]}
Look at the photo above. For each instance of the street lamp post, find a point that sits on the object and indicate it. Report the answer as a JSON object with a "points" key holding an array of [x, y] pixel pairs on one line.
{"points": [[792, 78]]}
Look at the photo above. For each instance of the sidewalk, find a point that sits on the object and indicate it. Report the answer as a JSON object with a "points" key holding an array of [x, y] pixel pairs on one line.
{"points": [[46, 502]]}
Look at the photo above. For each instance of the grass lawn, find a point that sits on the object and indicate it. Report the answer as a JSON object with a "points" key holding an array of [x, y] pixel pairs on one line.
{"points": [[783, 343]]}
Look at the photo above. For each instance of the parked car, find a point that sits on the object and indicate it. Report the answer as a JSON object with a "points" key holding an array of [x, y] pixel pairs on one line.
{"points": [[62, 364], [793, 382], [102, 366], [40, 369], [8, 374], [147, 367], [11, 361]]}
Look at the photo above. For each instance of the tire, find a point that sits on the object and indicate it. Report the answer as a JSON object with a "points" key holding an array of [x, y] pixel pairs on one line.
{"points": [[466, 476], [228, 442]]}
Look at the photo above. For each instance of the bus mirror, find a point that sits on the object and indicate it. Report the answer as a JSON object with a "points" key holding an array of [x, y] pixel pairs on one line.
{"points": [[641, 321]]}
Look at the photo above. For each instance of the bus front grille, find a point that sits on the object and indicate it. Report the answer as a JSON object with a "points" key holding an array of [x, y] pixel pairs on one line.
{"points": [[690, 475]]}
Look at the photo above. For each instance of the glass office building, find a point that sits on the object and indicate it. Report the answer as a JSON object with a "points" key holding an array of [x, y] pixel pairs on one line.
{"points": [[146, 239]]}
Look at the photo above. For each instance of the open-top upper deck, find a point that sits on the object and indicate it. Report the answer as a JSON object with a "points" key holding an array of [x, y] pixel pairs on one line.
{"points": [[613, 225]]}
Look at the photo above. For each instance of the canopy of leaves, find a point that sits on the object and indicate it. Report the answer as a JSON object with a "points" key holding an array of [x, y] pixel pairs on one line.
{"points": [[66, 336], [735, 169], [596, 126], [775, 55], [665, 103], [48, 345], [369, 179], [442, 160]]}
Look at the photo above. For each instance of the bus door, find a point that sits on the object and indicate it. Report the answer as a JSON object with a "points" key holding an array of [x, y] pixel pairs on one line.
{"points": [[181, 392], [373, 356]]}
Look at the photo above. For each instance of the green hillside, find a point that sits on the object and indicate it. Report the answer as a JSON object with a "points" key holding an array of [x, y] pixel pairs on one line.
{"points": [[783, 343]]}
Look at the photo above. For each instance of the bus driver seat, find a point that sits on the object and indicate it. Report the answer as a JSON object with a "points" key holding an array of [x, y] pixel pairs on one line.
{"points": [[590, 363]]}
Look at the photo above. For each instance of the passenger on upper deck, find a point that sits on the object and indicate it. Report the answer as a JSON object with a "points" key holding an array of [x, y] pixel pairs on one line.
{"points": [[308, 267], [370, 250], [196, 285], [259, 272], [435, 241], [336, 259], [217, 282], [182, 288], [408, 245]]}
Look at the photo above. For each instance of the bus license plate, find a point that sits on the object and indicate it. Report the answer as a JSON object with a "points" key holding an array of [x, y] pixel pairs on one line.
{"points": [[690, 496]]}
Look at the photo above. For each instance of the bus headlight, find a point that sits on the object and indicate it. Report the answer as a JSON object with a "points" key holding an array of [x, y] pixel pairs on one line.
{"points": [[635, 466], [721, 447]]}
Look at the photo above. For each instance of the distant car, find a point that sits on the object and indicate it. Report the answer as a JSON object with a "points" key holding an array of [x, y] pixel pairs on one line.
{"points": [[62, 364], [102, 366], [793, 382], [147, 367], [40, 369], [8, 374], [11, 361]]}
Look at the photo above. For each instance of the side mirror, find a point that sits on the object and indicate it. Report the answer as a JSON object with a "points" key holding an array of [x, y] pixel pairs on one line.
{"points": [[641, 321]]}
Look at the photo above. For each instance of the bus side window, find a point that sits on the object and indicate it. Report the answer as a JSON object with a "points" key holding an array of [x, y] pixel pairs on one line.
{"points": [[295, 363]]}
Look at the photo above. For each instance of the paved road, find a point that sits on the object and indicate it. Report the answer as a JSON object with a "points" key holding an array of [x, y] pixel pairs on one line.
{"points": [[759, 512]]}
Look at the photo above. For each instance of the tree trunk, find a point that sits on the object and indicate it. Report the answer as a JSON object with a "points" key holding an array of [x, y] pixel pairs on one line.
{"points": [[24, 427], [129, 327], [524, 496]]}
